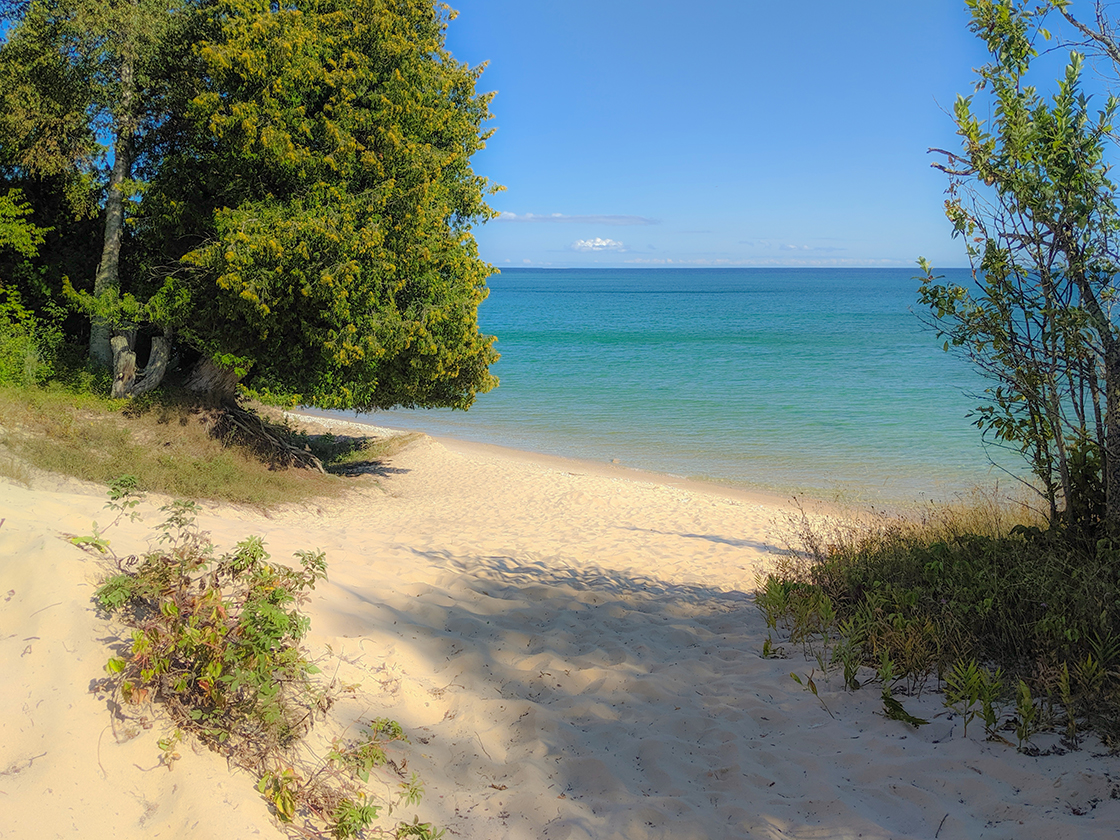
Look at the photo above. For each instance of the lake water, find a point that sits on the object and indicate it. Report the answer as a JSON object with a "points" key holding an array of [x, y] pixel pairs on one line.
{"points": [[821, 381]]}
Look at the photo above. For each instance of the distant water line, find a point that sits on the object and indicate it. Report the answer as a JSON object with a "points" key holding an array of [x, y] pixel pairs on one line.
{"points": [[818, 381]]}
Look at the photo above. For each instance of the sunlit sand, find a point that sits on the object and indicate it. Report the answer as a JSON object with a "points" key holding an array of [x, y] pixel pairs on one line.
{"points": [[572, 649]]}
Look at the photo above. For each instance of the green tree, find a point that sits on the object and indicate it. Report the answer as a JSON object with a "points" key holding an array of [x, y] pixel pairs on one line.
{"points": [[25, 346], [17, 232], [1030, 194], [318, 196], [74, 70], [303, 193]]}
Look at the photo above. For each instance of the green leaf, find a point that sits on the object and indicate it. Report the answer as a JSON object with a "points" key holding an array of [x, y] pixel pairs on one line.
{"points": [[894, 710]]}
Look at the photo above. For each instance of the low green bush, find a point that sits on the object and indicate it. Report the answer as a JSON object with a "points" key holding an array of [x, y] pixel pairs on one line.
{"points": [[28, 348], [215, 642], [995, 612]]}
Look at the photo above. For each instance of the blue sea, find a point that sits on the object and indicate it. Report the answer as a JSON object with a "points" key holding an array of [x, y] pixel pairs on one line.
{"points": [[796, 380]]}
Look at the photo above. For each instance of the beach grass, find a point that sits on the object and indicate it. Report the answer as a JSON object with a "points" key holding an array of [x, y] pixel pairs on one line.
{"points": [[168, 442], [999, 610], [351, 455]]}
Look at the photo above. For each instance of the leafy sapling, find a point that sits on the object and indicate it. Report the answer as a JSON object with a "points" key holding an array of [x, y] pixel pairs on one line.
{"points": [[123, 498], [963, 689], [1026, 714], [810, 685], [1065, 690]]}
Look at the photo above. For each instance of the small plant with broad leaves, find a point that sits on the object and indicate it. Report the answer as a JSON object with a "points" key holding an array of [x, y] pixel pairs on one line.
{"points": [[1026, 715], [972, 691], [363, 756], [168, 746], [215, 641]]}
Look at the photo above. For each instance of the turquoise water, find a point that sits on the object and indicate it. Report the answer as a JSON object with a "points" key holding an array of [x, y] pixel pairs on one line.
{"points": [[821, 381]]}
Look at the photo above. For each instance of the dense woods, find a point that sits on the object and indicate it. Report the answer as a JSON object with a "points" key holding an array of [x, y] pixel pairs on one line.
{"points": [[276, 196]]}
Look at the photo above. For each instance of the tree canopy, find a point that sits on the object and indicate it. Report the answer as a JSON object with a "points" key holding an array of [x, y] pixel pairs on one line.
{"points": [[1032, 197], [295, 184]]}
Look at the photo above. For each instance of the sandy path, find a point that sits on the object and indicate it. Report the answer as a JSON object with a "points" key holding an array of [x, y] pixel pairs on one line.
{"points": [[574, 654]]}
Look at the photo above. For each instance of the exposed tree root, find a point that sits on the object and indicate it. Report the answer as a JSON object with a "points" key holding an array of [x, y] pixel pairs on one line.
{"points": [[270, 441]]}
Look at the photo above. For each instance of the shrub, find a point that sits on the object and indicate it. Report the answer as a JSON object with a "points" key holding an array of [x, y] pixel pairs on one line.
{"points": [[215, 641], [991, 609], [27, 347]]}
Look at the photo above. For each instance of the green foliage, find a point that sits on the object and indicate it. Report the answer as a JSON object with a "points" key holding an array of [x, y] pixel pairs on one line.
{"points": [[938, 597], [78, 78], [280, 789], [216, 638], [892, 708], [49, 71], [1031, 197], [16, 230], [422, 831], [363, 756], [334, 206], [1026, 714], [811, 686], [351, 819], [966, 686], [291, 194], [169, 747], [27, 347], [215, 641]]}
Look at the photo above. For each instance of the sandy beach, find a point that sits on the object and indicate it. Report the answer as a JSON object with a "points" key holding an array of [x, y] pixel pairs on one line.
{"points": [[572, 648]]}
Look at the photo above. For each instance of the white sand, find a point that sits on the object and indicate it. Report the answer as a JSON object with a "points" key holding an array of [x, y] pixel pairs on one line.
{"points": [[574, 654]]}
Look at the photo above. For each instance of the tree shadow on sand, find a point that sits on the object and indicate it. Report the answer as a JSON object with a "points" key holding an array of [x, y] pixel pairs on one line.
{"points": [[627, 699]]}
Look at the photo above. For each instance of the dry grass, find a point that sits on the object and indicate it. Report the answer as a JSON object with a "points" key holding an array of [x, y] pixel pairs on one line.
{"points": [[166, 442]]}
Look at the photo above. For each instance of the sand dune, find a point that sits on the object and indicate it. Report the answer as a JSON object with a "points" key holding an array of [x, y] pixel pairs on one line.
{"points": [[572, 649]]}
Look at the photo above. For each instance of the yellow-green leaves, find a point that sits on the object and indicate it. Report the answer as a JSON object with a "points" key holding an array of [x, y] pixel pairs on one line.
{"points": [[325, 162]]}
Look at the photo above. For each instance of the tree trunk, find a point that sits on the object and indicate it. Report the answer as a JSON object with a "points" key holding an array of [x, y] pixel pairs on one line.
{"points": [[272, 442], [1111, 467], [124, 366], [128, 380], [219, 384], [152, 374], [108, 270]]}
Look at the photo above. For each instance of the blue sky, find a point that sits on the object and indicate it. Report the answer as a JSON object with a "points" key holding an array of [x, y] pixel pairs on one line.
{"points": [[717, 132]]}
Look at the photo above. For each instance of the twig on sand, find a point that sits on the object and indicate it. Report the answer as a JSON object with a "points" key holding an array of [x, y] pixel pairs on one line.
{"points": [[939, 826]]}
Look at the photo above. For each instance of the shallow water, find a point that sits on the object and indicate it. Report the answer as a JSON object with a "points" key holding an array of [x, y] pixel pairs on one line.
{"points": [[821, 381]]}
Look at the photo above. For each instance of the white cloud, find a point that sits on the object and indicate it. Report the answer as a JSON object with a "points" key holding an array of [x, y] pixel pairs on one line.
{"points": [[587, 220], [780, 246], [786, 261], [597, 244], [819, 249]]}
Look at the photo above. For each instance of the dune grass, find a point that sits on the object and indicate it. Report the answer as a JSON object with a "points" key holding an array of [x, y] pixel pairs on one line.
{"points": [[999, 612], [348, 455], [167, 442]]}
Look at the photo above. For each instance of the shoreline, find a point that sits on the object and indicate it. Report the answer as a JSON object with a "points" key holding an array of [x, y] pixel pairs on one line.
{"points": [[570, 465], [903, 495]]}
